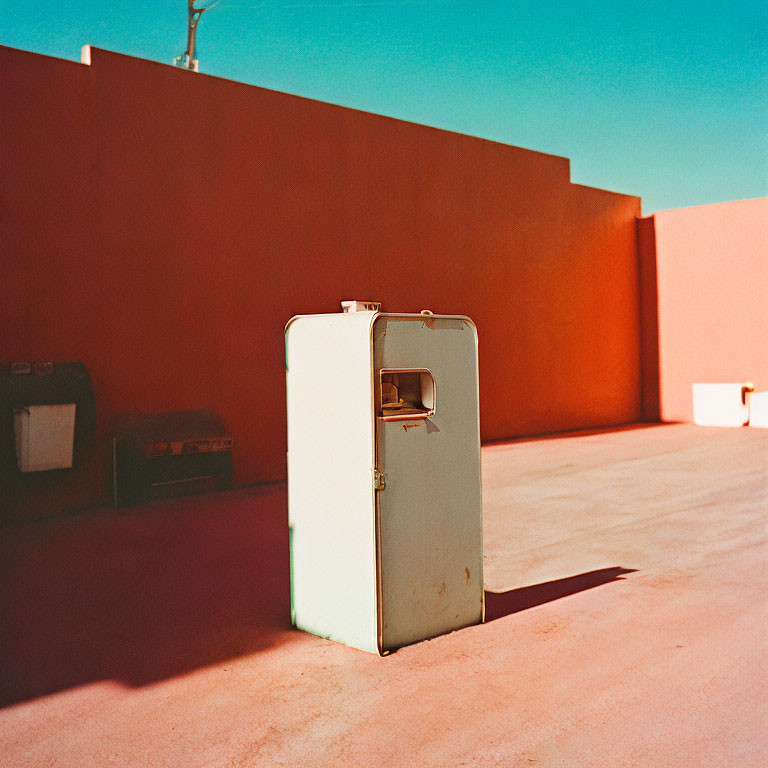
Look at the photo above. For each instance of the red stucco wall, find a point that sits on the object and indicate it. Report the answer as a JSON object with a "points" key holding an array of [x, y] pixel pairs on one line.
{"points": [[162, 227], [712, 289]]}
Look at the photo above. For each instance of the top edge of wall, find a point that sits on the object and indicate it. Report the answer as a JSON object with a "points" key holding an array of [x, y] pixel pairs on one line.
{"points": [[103, 52], [741, 201], [89, 52], [9, 50], [606, 191]]}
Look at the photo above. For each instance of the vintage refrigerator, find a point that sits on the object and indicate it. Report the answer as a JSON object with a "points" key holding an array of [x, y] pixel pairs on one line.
{"points": [[384, 495]]}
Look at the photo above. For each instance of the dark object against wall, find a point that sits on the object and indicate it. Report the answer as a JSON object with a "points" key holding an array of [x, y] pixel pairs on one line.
{"points": [[169, 454], [65, 383]]}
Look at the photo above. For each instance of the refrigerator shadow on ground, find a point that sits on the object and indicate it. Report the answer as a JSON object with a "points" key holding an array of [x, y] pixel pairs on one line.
{"points": [[500, 604]]}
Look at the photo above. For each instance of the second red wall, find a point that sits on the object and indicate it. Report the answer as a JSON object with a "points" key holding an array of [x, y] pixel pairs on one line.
{"points": [[711, 298]]}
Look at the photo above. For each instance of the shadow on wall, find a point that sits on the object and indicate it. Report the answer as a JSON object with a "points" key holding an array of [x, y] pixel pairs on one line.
{"points": [[500, 604], [143, 594]]}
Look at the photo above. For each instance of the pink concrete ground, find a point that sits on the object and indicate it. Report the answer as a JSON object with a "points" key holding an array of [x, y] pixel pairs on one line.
{"points": [[627, 582]]}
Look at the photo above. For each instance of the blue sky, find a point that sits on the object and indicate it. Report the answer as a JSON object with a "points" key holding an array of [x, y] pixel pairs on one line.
{"points": [[668, 101]]}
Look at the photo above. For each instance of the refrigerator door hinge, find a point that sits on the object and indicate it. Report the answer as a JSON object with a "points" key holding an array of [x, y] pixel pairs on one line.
{"points": [[379, 480]]}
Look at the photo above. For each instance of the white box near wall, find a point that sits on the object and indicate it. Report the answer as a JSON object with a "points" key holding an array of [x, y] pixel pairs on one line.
{"points": [[721, 405], [384, 497], [758, 409], [44, 436]]}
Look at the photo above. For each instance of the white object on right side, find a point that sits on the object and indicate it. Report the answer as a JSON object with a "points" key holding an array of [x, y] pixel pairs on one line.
{"points": [[721, 405], [758, 409], [44, 436]]}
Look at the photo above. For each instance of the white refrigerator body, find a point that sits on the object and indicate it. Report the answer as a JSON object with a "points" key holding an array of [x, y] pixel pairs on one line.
{"points": [[384, 498]]}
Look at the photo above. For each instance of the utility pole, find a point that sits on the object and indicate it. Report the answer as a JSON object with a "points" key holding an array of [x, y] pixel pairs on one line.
{"points": [[187, 60]]}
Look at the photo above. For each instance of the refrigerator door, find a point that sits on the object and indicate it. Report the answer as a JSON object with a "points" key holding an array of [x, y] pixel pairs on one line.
{"points": [[428, 451]]}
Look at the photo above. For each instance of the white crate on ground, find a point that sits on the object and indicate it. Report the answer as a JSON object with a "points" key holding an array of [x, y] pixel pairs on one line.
{"points": [[758, 409], [721, 404]]}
